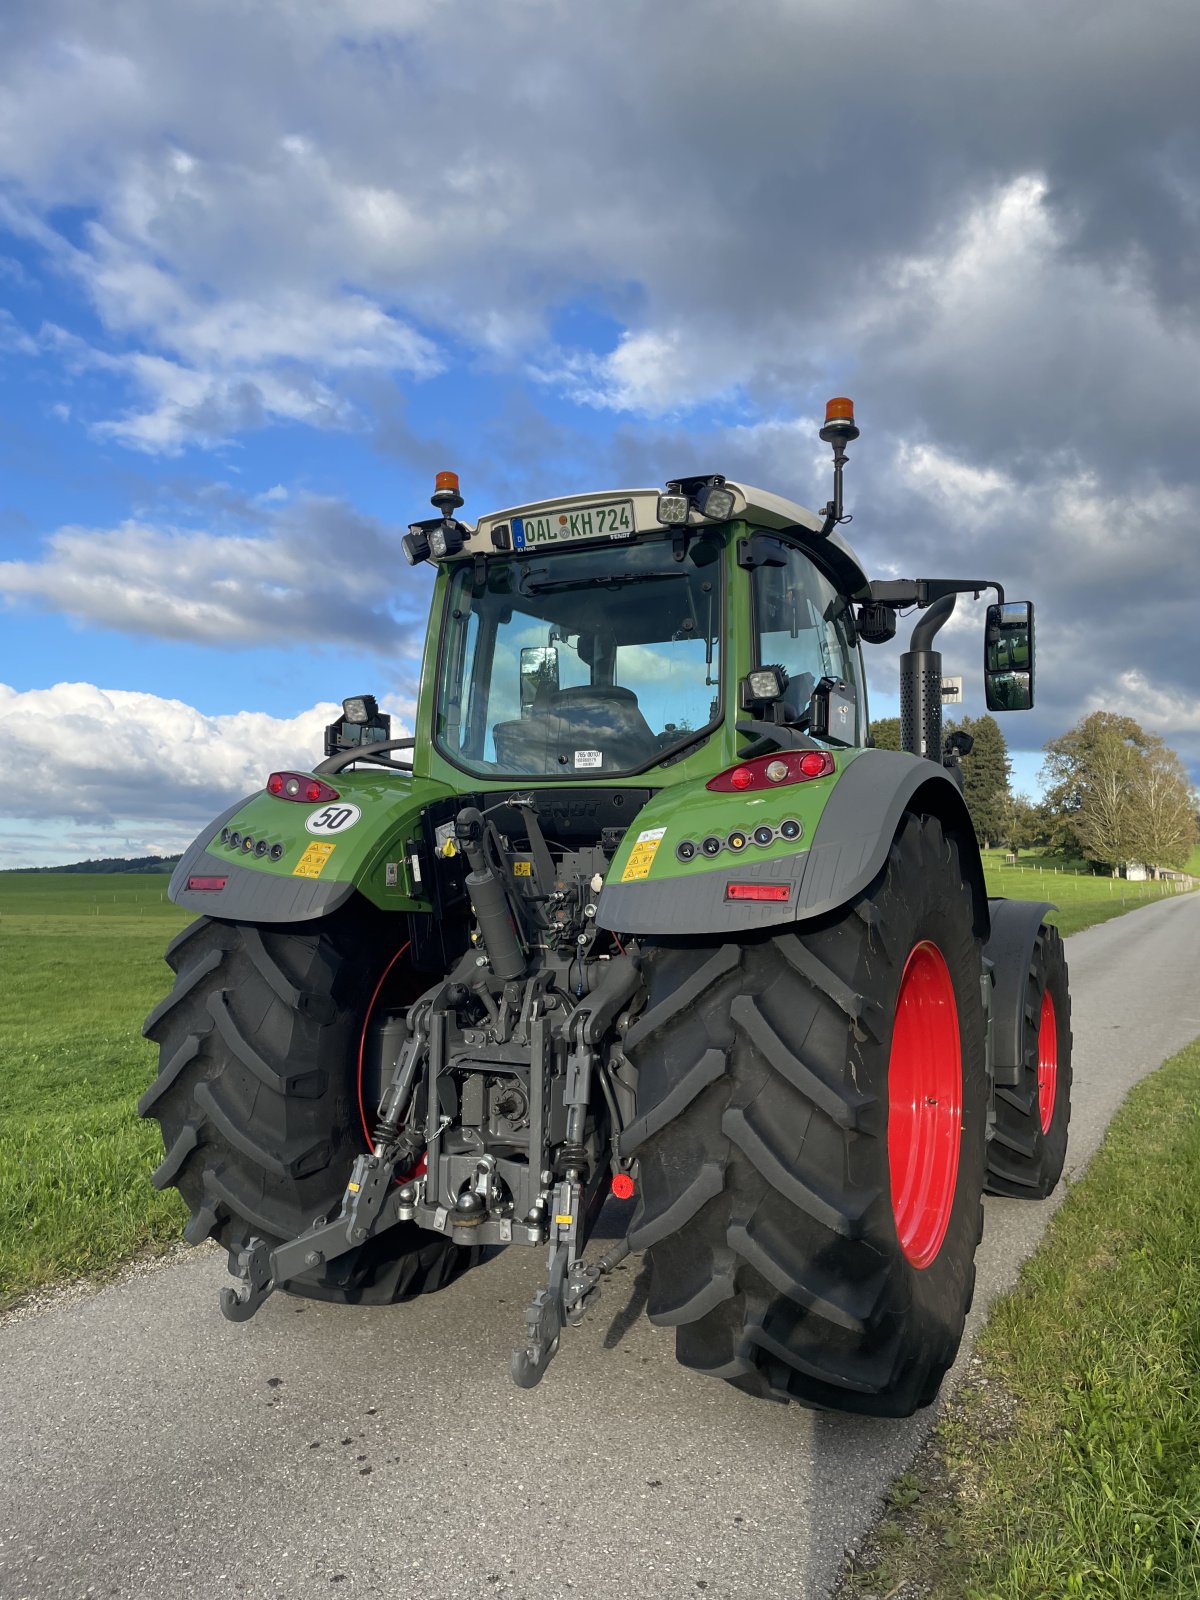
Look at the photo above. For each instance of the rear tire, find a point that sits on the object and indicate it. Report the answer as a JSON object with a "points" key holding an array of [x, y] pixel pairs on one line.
{"points": [[257, 1097], [782, 1238], [1029, 1141]]}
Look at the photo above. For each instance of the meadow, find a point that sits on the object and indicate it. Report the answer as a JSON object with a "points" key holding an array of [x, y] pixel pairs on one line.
{"points": [[82, 959], [1082, 899]]}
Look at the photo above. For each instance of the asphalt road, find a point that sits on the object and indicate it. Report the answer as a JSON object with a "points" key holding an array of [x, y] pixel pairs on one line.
{"points": [[149, 1448]]}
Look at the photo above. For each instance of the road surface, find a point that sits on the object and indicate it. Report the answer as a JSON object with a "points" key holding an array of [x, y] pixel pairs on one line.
{"points": [[148, 1448]]}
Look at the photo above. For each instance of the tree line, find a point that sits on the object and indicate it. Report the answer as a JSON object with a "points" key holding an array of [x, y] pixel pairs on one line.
{"points": [[1114, 795]]}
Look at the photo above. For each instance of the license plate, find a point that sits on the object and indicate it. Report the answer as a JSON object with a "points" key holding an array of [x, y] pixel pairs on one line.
{"points": [[614, 520]]}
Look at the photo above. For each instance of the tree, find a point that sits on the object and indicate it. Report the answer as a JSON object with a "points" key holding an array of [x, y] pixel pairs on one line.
{"points": [[985, 776], [886, 733], [1022, 824], [1166, 803], [1120, 791]]}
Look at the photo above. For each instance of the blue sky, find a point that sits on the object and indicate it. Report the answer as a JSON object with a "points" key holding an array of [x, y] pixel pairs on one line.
{"points": [[263, 271]]}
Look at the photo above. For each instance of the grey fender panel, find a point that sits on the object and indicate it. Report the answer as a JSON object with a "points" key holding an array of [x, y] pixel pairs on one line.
{"points": [[249, 896], [851, 842], [698, 904], [849, 848], [1014, 928]]}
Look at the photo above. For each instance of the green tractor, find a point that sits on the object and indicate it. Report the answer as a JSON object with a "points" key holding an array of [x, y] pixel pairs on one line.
{"points": [[639, 911]]}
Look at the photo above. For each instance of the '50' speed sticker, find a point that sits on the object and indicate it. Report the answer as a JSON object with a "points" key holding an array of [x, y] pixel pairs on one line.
{"points": [[333, 819]]}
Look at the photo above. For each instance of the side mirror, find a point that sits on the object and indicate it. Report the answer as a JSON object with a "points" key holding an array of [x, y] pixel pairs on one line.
{"points": [[539, 670], [1008, 656]]}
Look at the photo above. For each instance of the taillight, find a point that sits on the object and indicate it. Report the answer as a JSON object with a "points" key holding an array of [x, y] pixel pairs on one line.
{"points": [[299, 786], [769, 772], [777, 893]]}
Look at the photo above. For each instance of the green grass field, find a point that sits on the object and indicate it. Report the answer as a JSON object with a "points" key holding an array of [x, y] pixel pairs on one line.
{"points": [[1082, 900], [82, 963], [1074, 1468]]}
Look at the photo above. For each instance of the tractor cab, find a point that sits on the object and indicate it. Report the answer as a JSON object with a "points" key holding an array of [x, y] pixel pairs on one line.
{"points": [[611, 635]]}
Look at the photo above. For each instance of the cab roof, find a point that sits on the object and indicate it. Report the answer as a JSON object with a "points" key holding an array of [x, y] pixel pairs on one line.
{"points": [[758, 507]]}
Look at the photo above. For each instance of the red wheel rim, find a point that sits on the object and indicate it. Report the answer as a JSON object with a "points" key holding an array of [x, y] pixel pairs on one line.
{"points": [[1047, 1062], [924, 1104], [420, 1167]]}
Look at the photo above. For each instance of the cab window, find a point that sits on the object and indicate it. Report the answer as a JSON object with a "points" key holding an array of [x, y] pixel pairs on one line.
{"points": [[801, 624]]}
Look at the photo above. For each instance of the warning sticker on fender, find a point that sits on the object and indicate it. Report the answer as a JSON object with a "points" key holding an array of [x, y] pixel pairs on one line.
{"points": [[312, 863], [641, 857]]}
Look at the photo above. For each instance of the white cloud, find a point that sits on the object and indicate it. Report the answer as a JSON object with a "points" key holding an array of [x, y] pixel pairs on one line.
{"points": [[320, 574], [652, 373], [13, 338], [134, 773]]}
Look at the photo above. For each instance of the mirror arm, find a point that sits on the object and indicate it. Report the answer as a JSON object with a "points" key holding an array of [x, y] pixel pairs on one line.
{"points": [[924, 591]]}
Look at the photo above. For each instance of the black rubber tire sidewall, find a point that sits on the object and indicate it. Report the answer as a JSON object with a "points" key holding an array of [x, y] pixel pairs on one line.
{"points": [[765, 1198], [1026, 1162], [254, 1007]]}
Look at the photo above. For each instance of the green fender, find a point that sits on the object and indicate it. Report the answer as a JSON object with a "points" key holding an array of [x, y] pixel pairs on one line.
{"points": [[848, 822], [315, 872]]}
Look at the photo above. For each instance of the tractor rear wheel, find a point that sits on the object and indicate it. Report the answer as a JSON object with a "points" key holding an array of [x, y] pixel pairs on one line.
{"points": [[1029, 1140], [812, 1111], [257, 1095]]}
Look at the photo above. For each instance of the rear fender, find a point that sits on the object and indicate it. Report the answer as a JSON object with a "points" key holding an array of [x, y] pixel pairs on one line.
{"points": [[316, 869], [1015, 925], [851, 821]]}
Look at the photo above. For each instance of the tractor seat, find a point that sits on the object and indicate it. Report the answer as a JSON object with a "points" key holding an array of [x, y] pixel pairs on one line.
{"points": [[592, 717]]}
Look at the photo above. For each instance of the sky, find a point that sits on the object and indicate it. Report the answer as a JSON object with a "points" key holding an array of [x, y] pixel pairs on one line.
{"points": [[266, 266]]}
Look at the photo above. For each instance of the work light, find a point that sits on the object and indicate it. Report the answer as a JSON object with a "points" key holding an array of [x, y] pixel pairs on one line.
{"points": [[672, 510], [714, 500]]}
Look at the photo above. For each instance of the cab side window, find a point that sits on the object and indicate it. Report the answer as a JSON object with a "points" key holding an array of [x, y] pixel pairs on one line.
{"points": [[800, 625]]}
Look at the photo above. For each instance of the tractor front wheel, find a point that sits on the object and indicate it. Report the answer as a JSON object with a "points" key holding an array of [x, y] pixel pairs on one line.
{"points": [[260, 1050], [812, 1115], [1029, 1140]]}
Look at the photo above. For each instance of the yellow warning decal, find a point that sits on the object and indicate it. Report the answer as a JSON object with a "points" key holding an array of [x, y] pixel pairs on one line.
{"points": [[522, 869], [564, 1222], [312, 863], [641, 857]]}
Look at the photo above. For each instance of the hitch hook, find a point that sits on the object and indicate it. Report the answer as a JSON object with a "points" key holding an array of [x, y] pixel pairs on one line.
{"points": [[254, 1271]]}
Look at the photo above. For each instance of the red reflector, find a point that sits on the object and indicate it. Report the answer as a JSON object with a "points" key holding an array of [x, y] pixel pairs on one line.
{"points": [[300, 786], [777, 892], [207, 883], [763, 771], [622, 1186]]}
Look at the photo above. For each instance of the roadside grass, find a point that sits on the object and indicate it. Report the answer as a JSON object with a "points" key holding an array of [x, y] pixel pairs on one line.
{"points": [[1082, 900], [1193, 862], [82, 964], [1072, 1465]]}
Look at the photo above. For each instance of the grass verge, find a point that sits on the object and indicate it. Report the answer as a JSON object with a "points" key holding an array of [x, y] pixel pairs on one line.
{"points": [[1071, 1464], [82, 963]]}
